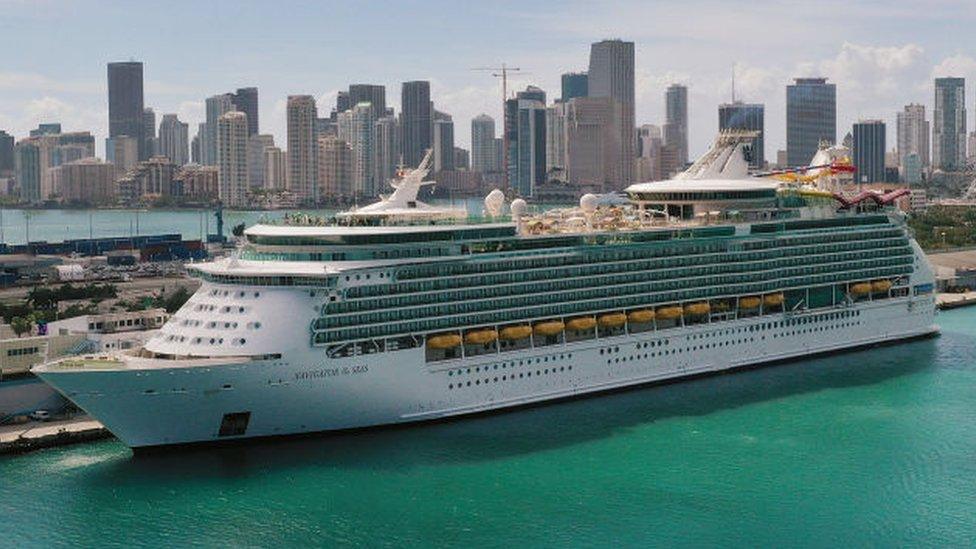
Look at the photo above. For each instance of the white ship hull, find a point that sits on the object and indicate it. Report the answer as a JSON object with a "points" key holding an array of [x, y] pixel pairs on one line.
{"points": [[304, 391]]}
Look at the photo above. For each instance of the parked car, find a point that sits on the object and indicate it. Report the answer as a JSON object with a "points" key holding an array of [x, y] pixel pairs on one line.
{"points": [[41, 415]]}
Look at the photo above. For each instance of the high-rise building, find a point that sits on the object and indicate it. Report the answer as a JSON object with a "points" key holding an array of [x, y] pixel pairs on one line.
{"points": [[811, 118], [7, 163], [357, 127], [173, 136], [949, 124], [869, 151], [275, 168], [556, 140], [49, 128], [913, 134], [199, 184], [27, 158], [148, 181], [532, 93], [484, 157], [462, 159], [125, 103], [195, 146], [387, 151], [676, 121], [232, 158], [335, 168], [444, 144], [123, 152], [302, 147], [525, 128], [416, 121], [746, 116], [343, 102], [217, 106], [245, 100], [88, 181], [149, 126], [255, 159], [649, 144], [593, 143], [373, 94], [574, 84]]}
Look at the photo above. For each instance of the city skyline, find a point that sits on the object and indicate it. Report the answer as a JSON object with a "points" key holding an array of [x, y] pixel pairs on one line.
{"points": [[877, 70]]}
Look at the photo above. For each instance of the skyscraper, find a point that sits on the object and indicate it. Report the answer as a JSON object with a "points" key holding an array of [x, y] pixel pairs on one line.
{"points": [[373, 94], [275, 168], [416, 122], [574, 84], [232, 158], [869, 151], [123, 152], [27, 156], [173, 136], [949, 124], [556, 140], [387, 151], [676, 121], [913, 134], [245, 100], [255, 159], [217, 106], [356, 127], [444, 144], [125, 103], [811, 117], [593, 142], [525, 128], [302, 147], [335, 168], [7, 163], [611, 75], [483, 154], [746, 116], [149, 126]]}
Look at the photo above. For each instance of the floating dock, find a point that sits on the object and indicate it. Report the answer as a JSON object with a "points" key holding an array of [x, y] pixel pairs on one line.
{"points": [[36, 435]]}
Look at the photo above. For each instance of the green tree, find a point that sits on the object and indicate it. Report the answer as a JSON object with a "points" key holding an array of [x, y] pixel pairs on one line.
{"points": [[21, 325]]}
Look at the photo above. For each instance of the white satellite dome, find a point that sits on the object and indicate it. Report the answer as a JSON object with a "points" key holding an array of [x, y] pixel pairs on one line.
{"points": [[519, 207], [589, 202], [494, 203]]}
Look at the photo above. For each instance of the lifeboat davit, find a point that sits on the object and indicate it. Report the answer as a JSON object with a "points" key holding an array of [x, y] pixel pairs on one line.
{"points": [[773, 300], [515, 332], [697, 309], [580, 324], [880, 286], [641, 316], [750, 302], [549, 328], [480, 337], [444, 341], [861, 288], [612, 320]]}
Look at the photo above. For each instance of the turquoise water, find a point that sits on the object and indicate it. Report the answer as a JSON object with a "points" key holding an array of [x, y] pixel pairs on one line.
{"points": [[873, 448]]}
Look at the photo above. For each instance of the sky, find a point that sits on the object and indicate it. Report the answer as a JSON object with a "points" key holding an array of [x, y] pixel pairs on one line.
{"points": [[881, 54]]}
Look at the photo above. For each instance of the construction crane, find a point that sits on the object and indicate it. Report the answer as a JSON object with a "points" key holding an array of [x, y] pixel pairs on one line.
{"points": [[502, 72]]}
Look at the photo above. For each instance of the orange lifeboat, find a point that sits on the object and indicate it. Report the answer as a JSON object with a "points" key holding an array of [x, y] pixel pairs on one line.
{"points": [[669, 313], [697, 309], [480, 337], [880, 286], [773, 300], [581, 323], [750, 302], [444, 341], [549, 328], [641, 316], [612, 320], [861, 288], [515, 332]]}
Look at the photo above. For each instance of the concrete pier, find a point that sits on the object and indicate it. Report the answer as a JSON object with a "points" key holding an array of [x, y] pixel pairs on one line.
{"points": [[35, 435]]}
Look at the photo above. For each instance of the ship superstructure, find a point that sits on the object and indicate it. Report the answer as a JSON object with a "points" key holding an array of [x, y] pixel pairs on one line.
{"points": [[325, 327]]}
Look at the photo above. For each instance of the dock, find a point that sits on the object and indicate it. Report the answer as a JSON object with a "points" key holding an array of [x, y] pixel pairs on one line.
{"points": [[35, 435], [954, 300]]}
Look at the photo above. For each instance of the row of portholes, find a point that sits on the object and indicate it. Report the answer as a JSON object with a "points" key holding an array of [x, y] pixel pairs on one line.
{"points": [[365, 276], [225, 309], [820, 328], [507, 377], [226, 293], [512, 364]]}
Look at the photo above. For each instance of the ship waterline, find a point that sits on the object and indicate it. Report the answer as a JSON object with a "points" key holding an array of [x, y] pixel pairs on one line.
{"points": [[320, 328]]}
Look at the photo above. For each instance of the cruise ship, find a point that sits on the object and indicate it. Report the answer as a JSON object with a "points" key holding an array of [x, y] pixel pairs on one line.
{"points": [[404, 312]]}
